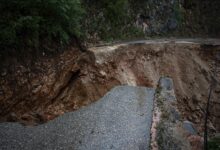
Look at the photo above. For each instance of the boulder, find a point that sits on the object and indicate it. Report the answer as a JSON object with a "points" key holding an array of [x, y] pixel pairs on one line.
{"points": [[166, 87], [189, 127]]}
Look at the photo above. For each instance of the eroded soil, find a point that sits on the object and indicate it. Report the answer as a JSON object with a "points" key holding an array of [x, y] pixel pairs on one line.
{"points": [[53, 86]]}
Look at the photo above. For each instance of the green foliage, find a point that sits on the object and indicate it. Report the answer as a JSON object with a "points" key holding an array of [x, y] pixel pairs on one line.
{"points": [[116, 11], [178, 12], [38, 24], [116, 16], [214, 143]]}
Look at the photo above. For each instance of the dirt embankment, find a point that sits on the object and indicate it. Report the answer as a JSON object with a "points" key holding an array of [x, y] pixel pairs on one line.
{"points": [[50, 87], [190, 65], [72, 80]]}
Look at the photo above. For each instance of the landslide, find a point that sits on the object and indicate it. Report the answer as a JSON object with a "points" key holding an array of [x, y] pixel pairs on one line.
{"points": [[72, 80], [190, 65]]}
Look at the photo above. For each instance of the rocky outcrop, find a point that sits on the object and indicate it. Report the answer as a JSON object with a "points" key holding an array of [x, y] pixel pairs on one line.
{"points": [[121, 120], [172, 132], [186, 18]]}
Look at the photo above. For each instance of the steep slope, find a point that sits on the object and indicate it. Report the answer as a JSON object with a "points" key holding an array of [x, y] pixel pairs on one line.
{"points": [[74, 79], [188, 63]]}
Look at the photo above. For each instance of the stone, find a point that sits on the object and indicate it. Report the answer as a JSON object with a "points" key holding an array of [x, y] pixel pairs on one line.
{"points": [[37, 89], [175, 115], [166, 87], [189, 127], [166, 83], [121, 120]]}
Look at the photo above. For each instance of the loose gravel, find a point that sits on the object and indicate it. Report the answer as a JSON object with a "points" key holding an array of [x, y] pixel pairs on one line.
{"points": [[121, 120]]}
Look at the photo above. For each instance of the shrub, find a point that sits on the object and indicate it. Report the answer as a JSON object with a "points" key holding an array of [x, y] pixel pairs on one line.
{"points": [[38, 24], [214, 143]]}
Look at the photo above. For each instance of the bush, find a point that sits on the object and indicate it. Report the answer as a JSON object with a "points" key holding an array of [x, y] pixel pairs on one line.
{"points": [[214, 143], [36, 24], [178, 12]]}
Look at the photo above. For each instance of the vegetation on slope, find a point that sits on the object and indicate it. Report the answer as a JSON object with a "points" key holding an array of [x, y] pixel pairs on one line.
{"points": [[39, 25]]}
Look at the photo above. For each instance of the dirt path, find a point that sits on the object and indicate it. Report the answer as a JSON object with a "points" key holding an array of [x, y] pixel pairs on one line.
{"points": [[206, 41]]}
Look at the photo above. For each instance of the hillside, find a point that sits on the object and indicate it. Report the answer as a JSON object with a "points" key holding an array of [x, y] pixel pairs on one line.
{"points": [[119, 74]]}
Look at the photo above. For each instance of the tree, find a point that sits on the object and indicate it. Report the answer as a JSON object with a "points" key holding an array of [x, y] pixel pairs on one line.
{"points": [[38, 24]]}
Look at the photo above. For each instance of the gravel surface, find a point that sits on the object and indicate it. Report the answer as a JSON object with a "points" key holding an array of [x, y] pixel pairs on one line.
{"points": [[121, 120]]}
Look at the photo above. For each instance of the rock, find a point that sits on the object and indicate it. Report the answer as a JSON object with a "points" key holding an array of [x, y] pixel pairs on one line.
{"points": [[120, 120], [170, 133], [103, 73], [189, 127], [166, 83], [167, 91], [36, 89], [175, 116]]}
